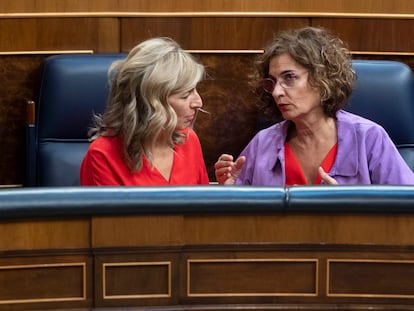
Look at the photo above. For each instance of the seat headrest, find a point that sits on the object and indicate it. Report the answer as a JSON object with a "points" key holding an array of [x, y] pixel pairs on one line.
{"points": [[71, 90], [384, 93]]}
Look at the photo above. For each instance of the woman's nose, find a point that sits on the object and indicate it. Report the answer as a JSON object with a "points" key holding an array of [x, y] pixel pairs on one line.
{"points": [[196, 101], [278, 90]]}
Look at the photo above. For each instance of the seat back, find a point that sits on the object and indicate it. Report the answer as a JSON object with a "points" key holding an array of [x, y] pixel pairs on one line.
{"points": [[384, 93], [72, 88]]}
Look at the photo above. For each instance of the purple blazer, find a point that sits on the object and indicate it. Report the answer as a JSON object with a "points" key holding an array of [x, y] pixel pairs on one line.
{"points": [[366, 155]]}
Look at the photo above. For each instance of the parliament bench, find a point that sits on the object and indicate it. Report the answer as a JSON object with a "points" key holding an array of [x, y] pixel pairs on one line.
{"points": [[207, 248]]}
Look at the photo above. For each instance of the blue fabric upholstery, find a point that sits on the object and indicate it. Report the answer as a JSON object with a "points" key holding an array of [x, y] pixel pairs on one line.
{"points": [[384, 93], [72, 88]]}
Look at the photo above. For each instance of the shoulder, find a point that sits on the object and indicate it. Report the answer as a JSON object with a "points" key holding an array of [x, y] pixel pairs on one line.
{"points": [[267, 142], [105, 144], [273, 132], [348, 120]]}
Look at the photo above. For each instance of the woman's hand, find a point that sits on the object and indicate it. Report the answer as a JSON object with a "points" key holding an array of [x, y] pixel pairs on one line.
{"points": [[226, 170], [326, 178]]}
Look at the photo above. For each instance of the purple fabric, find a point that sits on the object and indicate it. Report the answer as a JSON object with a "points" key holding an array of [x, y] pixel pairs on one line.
{"points": [[366, 155]]}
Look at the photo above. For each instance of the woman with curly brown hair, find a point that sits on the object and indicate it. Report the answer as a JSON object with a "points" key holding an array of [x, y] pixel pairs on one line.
{"points": [[306, 78]]}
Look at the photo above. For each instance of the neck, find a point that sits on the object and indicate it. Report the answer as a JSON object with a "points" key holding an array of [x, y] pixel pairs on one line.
{"points": [[317, 130]]}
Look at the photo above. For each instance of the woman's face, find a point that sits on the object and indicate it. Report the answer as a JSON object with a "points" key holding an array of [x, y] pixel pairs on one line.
{"points": [[294, 96], [185, 105]]}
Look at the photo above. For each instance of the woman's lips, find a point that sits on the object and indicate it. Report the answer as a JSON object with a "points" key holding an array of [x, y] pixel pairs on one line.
{"points": [[283, 107]]}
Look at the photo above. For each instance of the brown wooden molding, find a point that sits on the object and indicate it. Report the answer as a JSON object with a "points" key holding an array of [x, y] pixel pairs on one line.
{"points": [[11, 53], [207, 14], [225, 51], [379, 53], [374, 53]]}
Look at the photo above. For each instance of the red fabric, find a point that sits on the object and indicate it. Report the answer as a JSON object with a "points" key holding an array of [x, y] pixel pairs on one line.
{"points": [[294, 173], [103, 165]]}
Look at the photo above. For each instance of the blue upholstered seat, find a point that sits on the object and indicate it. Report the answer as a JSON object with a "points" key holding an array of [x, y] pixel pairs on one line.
{"points": [[72, 88], [384, 93]]}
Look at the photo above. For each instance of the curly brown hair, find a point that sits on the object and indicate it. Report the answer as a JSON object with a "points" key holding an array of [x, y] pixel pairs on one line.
{"points": [[326, 58]]}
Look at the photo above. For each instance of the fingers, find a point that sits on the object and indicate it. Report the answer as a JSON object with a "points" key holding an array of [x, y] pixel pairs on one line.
{"points": [[223, 161], [222, 168], [226, 170], [326, 178], [239, 162]]}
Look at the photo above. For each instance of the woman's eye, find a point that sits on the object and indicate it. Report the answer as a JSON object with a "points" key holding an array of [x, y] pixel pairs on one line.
{"points": [[185, 96], [289, 77]]}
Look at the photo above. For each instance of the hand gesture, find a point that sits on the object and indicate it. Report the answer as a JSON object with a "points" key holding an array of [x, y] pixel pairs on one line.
{"points": [[326, 178], [226, 170]]}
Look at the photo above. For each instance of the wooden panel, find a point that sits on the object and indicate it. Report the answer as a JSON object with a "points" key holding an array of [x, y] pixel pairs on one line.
{"points": [[136, 230], [136, 280], [337, 229], [251, 277], [226, 94], [38, 281], [206, 33], [45, 234], [43, 34], [138, 277], [291, 260], [43, 283], [371, 278], [369, 6], [18, 81], [372, 34], [207, 229]]}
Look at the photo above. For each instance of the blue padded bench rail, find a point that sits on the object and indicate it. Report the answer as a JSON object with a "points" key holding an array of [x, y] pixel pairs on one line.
{"points": [[55, 202]]}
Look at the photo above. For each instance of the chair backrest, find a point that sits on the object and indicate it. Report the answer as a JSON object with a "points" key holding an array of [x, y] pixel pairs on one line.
{"points": [[72, 88], [384, 93]]}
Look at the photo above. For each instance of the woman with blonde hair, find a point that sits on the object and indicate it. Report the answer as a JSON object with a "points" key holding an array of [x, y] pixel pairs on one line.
{"points": [[145, 135]]}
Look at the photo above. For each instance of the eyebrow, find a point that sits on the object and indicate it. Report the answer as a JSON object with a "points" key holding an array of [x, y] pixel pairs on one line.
{"points": [[283, 73]]}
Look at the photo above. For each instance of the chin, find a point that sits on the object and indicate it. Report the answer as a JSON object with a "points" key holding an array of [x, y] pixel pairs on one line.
{"points": [[181, 127]]}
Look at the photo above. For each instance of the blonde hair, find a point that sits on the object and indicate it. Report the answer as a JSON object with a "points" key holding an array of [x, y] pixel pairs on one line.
{"points": [[137, 107]]}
